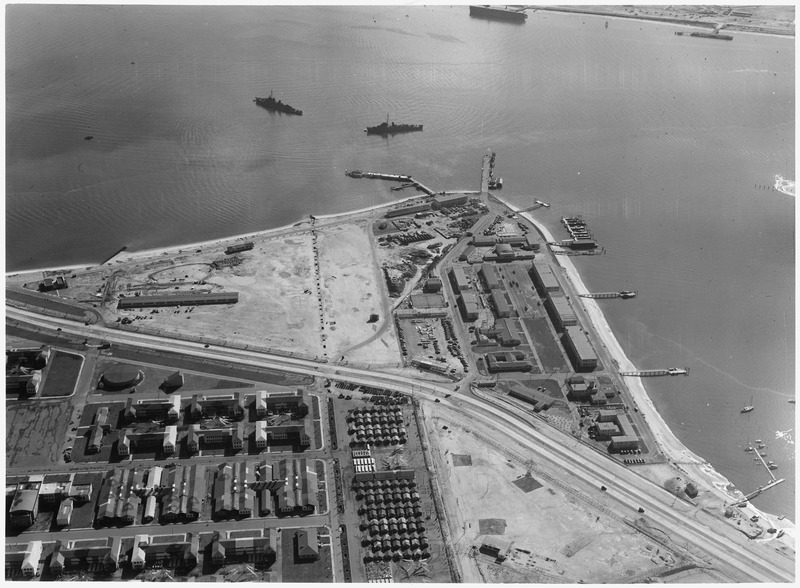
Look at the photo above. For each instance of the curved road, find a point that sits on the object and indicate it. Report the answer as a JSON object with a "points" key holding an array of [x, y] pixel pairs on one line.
{"points": [[748, 560]]}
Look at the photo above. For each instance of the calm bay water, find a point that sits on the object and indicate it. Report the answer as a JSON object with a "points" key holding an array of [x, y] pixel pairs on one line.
{"points": [[658, 141]]}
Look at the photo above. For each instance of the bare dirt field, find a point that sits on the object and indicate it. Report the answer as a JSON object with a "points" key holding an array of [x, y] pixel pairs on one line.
{"points": [[35, 431], [556, 537], [351, 289]]}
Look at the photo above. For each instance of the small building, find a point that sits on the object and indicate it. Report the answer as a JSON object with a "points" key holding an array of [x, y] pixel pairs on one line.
{"points": [[496, 548], [504, 252], [468, 304], [165, 441], [424, 363], [606, 416], [690, 490], [95, 440], [160, 409], [101, 419], [231, 406], [505, 332], [467, 253], [623, 442], [459, 279], [64, 516], [508, 361], [432, 284], [50, 284], [306, 545], [580, 350], [24, 506], [607, 430]]}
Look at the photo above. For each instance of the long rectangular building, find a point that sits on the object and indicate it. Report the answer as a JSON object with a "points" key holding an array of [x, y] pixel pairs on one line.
{"points": [[490, 276], [543, 277], [180, 299], [459, 279], [580, 350], [561, 312], [500, 304]]}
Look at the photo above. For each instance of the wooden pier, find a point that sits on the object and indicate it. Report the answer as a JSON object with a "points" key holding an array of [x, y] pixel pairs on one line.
{"points": [[392, 178], [651, 373], [621, 294], [486, 173]]}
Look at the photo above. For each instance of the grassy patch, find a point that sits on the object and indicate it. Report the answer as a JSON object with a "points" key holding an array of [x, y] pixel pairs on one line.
{"points": [[62, 375], [312, 571]]}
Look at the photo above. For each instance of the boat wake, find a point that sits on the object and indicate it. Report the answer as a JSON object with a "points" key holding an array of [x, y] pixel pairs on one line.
{"points": [[785, 186]]}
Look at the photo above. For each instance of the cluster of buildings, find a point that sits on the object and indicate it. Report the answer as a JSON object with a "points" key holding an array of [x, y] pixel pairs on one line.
{"points": [[574, 338], [26, 494], [612, 425], [24, 369], [580, 389], [168, 411], [179, 493]]}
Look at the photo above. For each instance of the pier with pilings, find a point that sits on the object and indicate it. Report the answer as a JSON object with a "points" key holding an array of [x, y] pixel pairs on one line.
{"points": [[650, 373], [620, 294], [390, 177]]}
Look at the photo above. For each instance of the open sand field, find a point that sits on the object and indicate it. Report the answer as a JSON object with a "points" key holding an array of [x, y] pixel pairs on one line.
{"points": [[352, 288], [567, 540]]}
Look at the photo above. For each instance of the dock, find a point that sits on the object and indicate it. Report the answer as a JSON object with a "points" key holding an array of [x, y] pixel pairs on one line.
{"points": [[651, 373], [486, 173], [620, 294], [390, 177]]}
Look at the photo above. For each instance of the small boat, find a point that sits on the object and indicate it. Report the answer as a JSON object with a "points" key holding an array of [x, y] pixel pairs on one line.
{"points": [[356, 173], [758, 441], [762, 454], [761, 446], [88, 138], [748, 408], [791, 401], [749, 449], [772, 466]]}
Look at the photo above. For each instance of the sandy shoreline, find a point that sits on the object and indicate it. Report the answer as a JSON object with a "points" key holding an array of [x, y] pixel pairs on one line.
{"points": [[671, 446], [127, 256]]}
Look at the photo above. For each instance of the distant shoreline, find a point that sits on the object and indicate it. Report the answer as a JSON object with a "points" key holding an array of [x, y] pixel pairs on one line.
{"points": [[677, 21]]}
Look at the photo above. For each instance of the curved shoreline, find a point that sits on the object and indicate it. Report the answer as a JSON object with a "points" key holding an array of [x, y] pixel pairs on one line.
{"points": [[679, 455]]}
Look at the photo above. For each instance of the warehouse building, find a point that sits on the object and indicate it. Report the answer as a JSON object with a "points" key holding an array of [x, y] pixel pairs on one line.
{"points": [[560, 311], [508, 361], [64, 515], [55, 488], [501, 307], [543, 277], [467, 253], [246, 246], [217, 406], [230, 547], [580, 351], [233, 494], [94, 441], [468, 304], [178, 299], [490, 276], [424, 363], [152, 410], [448, 201], [459, 279], [24, 505], [539, 400], [406, 210], [298, 494], [412, 313], [185, 490]]}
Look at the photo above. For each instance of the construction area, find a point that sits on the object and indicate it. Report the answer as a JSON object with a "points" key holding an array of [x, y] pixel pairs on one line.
{"points": [[516, 523]]}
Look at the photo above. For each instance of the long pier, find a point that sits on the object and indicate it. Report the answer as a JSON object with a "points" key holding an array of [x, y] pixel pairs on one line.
{"points": [[620, 294], [391, 178], [650, 373]]}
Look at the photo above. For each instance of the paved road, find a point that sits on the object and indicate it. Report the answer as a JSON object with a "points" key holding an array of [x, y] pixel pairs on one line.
{"points": [[732, 552]]}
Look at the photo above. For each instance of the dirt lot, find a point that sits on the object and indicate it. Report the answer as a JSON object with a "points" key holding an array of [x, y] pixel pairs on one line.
{"points": [[351, 289], [62, 374], [556, 537], [35, 431]]}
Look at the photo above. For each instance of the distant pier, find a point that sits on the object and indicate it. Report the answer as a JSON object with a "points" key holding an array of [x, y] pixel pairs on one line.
{"points": [[650, 373], [356, 173], [621, 294]]}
